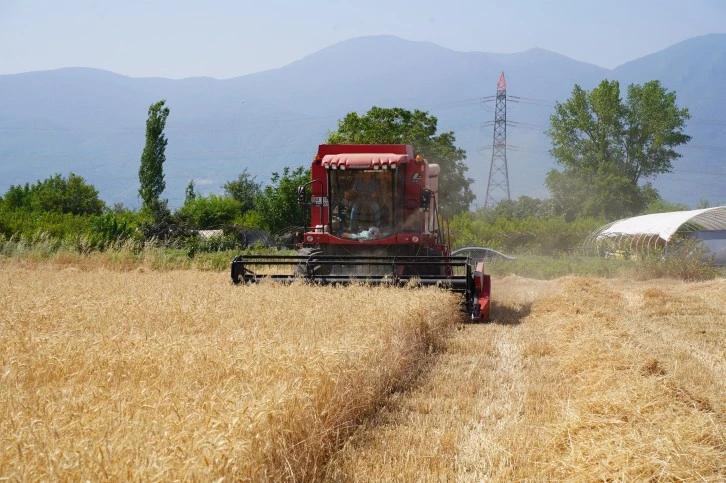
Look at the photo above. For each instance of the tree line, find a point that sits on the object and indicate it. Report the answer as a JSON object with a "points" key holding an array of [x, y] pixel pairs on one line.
{"points": [[608, 149]]}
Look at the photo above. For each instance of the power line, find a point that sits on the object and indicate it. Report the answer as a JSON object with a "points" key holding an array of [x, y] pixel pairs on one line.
{"points": [[709, 122], [700, 173], [704, 148]]}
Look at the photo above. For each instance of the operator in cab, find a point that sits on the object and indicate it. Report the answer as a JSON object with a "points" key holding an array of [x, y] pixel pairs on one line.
{"points": [[365, 195]]}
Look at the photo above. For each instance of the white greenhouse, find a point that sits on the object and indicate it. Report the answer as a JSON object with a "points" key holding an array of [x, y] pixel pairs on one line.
{"points": [[647, 232]]}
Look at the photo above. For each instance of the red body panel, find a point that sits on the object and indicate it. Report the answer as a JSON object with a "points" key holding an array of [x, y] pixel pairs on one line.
{"points": [[483, 285]]}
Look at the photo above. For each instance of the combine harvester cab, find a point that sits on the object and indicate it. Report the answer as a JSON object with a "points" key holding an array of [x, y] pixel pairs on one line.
{"points": [[375, 219]]}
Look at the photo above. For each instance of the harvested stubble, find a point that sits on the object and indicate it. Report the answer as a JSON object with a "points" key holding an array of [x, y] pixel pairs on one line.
{"points": [[179, 375], [575, 380]]}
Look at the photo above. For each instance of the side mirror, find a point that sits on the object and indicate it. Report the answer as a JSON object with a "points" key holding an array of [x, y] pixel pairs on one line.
{"points": [[301, 195], [425, 199]]}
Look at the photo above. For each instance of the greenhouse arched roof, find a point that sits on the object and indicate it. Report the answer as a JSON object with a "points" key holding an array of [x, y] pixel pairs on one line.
{"points": [[664, 225]]}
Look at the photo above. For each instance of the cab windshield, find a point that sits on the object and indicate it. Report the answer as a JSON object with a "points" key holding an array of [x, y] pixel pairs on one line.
{"points": [[361, 203]]}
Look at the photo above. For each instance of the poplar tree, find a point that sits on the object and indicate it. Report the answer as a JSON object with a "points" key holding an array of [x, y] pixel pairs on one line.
{"points": [[151, 171]]}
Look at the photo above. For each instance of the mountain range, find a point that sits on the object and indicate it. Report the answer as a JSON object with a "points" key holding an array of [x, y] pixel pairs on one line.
{"points": [[92, 122]]}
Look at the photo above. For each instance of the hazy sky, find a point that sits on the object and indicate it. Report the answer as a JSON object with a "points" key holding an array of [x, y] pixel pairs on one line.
{"points": [[226, 38]]}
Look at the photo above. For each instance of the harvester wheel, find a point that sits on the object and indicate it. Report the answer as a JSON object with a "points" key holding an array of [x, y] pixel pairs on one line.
{"points": [[301, 269]]}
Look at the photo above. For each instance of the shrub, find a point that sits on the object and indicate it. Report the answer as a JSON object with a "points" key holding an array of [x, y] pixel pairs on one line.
{"points": [[552, 235], [56, 194], [688, 259], [211, 211], [111, 229]]}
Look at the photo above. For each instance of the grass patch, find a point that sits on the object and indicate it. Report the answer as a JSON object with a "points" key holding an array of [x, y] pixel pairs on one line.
{"points": [[682, 265], [550, 267], [685, 264], [128, 255]]}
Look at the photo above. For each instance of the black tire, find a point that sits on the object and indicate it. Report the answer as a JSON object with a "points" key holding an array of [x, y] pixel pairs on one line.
{"points": [[301, 269]]}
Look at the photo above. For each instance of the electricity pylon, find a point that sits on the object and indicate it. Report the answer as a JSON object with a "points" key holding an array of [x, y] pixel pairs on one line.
{"points": [[498, 184]]}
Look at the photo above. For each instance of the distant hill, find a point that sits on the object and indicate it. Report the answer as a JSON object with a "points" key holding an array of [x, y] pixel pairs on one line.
{"points": [[92, 122]]}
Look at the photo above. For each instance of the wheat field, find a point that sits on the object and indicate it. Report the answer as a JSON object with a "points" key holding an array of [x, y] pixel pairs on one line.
{"points": [[179, 375], [145, 375]]}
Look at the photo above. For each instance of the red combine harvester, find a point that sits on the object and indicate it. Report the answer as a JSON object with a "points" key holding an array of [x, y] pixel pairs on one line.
{"points": [[375, 219]]}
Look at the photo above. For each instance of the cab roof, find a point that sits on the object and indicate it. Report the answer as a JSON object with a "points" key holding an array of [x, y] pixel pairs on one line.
{"points": [[404, 149]]}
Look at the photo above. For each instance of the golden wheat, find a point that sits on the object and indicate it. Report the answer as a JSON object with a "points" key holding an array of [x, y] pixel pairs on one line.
{"points": [[141, 375], [177, 375]]}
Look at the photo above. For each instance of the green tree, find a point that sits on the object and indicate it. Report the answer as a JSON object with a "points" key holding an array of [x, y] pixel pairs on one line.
{"points": [[243, 189], [598, 192], [211, 211], [18, 197], [112, 228], [151, 171], [524, 207], [608, 146], [663, 206], [277, 204], [702, 204], [56, 194], [190, 193], [418, 128]]}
